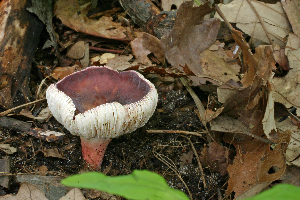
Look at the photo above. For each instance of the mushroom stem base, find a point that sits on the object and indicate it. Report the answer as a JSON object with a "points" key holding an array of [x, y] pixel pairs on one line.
{"points": [[93, 151]]}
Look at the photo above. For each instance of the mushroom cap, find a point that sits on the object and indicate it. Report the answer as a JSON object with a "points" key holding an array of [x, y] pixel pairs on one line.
{"points": [[99, 102]]}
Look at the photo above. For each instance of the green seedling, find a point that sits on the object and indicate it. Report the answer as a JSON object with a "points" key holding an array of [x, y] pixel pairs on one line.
{"points": [[139, 185]]}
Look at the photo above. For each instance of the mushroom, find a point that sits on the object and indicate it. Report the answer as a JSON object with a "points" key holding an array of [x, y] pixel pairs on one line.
{"points": [[98, 104]]}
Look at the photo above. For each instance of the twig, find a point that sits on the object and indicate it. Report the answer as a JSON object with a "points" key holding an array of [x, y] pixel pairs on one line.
{"points": [[177, 131], [21, 106], [107, 50], [223, 17], [198, 160], [55, 173]]}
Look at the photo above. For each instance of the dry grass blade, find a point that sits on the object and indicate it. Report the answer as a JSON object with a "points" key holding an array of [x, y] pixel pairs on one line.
{"points": [[167, 161], [21, 106], [178, 132], [198, 160]]}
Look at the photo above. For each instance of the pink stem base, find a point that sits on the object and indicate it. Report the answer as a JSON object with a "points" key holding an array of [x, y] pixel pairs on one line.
{"points": [[93, 151]]}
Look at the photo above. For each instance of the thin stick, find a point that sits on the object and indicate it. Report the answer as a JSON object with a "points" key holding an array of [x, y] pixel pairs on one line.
{"points": [[116, 51], [177, 131], [21, 106], [198, 160], [223, 17]]}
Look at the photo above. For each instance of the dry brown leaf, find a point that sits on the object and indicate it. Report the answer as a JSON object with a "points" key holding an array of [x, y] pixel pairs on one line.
{"points": [[139, 51], [216, 157], [60, 72], [248, 60], [253, 167], [265, 62], [272, 15], [216, 68], [209, 115], [153, 44], [74, 16], [52, 153], [189, 37]]}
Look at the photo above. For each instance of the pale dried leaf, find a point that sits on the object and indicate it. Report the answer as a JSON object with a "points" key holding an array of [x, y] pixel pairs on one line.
{"points": [[268, 120], [215, 67], [228, 125], [288, 87], [43, 115], [240, 12], [7, 148], [106, 57], [210, 114], [26, 191], [224, 94], [121, 62], [74, 194], [293, 149], [140, 52], [292, 43], [292, 9]]}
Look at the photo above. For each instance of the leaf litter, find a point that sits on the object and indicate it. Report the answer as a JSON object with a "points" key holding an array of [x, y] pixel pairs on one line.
{"points": [[246, 141]]}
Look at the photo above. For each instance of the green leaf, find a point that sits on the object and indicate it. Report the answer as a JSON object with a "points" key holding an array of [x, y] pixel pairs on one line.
{"points": [[279, 192], [140, 185]]}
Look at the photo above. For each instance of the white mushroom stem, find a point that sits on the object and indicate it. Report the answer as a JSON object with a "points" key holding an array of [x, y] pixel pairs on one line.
{"points": [[93, 150]]}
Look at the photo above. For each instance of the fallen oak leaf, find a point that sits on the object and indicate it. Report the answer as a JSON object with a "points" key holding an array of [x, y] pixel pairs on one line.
{"points": [[252, 168]]}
